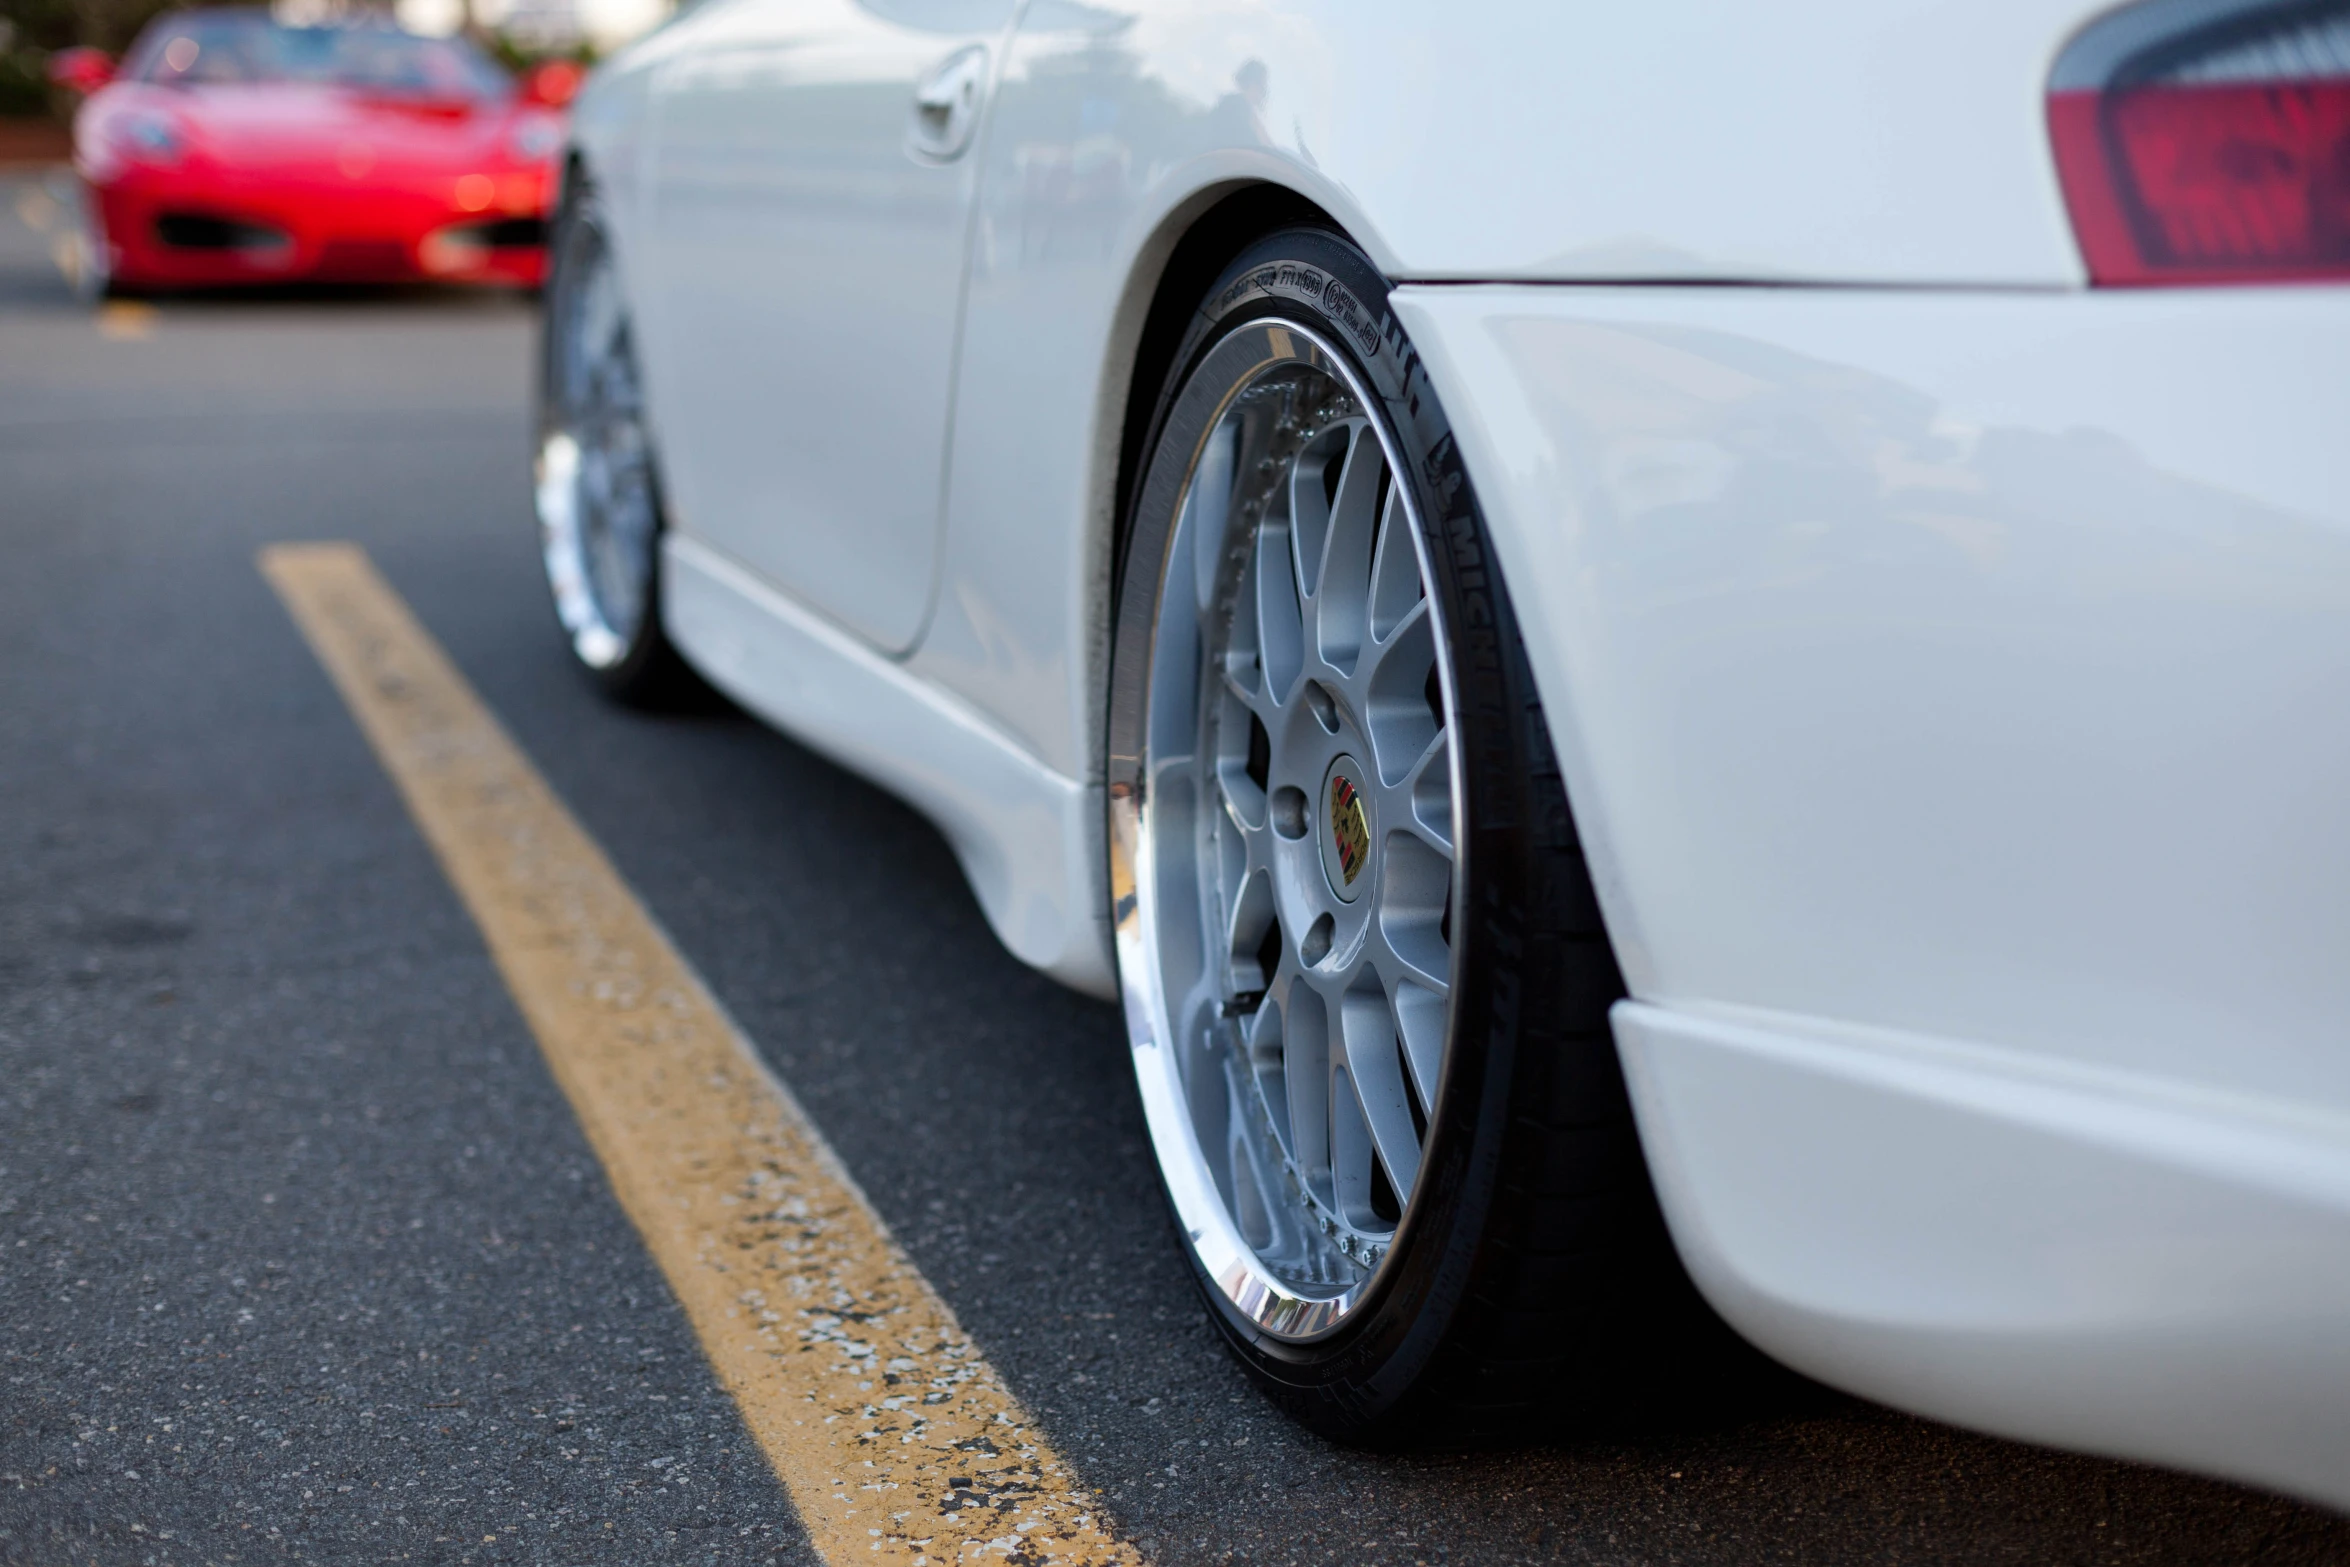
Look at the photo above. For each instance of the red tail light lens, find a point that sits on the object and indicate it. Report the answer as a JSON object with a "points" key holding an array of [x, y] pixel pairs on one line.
{"points": [[2203, 143]]}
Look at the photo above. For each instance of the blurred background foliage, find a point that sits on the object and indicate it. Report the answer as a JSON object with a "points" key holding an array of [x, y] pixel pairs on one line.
{"points": [[33, 30], [36, 29]]}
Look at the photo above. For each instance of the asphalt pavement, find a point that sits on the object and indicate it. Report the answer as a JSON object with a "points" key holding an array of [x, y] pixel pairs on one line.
{"points": [[303, 1256]]}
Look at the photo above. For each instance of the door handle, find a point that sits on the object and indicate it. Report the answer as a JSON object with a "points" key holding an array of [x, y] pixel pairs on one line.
{"points": [[946, 105]]}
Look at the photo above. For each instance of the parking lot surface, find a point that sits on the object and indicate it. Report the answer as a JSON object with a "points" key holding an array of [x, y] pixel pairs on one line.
{"points": [[303, 1253]]}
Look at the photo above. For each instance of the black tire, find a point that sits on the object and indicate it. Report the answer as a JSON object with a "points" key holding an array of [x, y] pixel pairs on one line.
{"points": [[1534, 1279], [623, 647]]}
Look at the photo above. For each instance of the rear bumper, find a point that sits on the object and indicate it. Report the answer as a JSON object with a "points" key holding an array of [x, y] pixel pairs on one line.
{"points": [[1952, 688], [164, 229]]}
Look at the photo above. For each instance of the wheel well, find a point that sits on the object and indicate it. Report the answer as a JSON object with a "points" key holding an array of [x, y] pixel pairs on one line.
{"points": [[1208, 244]]}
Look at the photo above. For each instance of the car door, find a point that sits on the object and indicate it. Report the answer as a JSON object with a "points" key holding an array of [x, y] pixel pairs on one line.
{"points": [[809, 212]]}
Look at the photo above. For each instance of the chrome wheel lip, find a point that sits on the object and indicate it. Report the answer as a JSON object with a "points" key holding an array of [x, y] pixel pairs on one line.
{"points": [[1261, 1299], [593, 462], [555, 473]]}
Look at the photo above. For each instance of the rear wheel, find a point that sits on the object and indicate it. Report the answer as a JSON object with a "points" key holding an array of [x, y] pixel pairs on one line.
{"points": [[1364, 970], [598, 494]]}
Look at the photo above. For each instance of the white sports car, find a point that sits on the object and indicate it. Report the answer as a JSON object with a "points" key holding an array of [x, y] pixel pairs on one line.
{"points": [[1653, 643]]}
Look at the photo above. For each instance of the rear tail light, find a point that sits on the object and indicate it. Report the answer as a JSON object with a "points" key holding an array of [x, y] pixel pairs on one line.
{"points": [[2208, 141]]}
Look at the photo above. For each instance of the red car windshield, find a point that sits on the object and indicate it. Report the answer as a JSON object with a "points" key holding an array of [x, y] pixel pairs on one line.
{"points": [[243, 47]]}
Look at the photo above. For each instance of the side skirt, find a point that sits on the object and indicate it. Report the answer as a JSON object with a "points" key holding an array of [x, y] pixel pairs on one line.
{"points": [[1027, 837]]}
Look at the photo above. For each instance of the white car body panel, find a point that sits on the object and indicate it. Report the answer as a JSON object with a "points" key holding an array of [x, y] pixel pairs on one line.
{"points": [[807, 272], [1111, 122], [1910, 688], [1948, 662]]}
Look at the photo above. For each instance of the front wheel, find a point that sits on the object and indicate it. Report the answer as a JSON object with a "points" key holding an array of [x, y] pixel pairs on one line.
{"points": [[597, 493], [1365, 977]]}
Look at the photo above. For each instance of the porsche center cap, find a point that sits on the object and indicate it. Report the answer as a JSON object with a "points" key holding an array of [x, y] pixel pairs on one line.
{"points": [[1346, 830]]}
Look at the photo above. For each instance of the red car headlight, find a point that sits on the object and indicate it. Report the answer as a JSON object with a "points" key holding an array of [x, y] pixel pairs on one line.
{"points": [[146, 138]]}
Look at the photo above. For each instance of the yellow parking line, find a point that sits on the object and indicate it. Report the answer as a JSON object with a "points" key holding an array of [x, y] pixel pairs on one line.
{"points": [[896, 1439], [123, 320]]}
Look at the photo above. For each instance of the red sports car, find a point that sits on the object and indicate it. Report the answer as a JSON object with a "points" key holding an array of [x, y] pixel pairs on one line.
{"points": [[233, 148]]}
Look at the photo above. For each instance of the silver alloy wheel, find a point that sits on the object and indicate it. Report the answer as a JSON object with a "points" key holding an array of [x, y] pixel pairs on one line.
{"points": [[1282, 855], [598, 513]]}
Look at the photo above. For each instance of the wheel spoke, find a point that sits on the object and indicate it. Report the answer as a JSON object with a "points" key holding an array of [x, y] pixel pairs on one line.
{"points": [[1415, 893], [1264, 1034], [1280, 618], [1403, 708], [1353, 1182], [1242, 668], [1342, 596], [597, 333], [1420, 1020], [1243, 753], [1268, 1217], [1375, 1072], [1308, 502], [1245, 805], [1422, 799], [1305, 1071], [1395, 569], [1245, 932], [1177, 885], [1246, 689]]}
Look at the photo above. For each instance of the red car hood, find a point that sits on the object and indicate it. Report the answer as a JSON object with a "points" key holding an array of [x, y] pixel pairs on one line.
{"points": [[298, 129]]}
